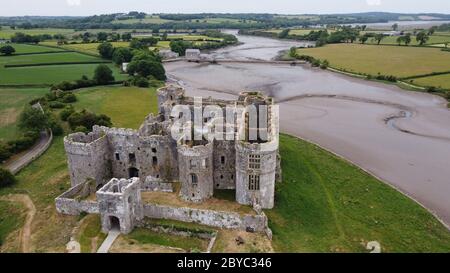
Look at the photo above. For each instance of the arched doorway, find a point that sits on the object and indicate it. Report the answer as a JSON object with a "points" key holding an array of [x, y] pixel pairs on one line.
{"points": [[133, 172], [114, 223]]}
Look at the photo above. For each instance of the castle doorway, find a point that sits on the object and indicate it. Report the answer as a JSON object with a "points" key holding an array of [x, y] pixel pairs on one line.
{"points": [[133, 172], [114, 223]]}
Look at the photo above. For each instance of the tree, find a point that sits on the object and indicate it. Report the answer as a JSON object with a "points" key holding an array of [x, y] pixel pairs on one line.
{"points": [[363, 39], [432, 30], [33, 119], [422, 37], [150, 41], [6, 178], [293, 52], [283, 34], [395, 27], [106, 50], [103, 74], [145, 68], [122, 55], [126, 37], [102, 36], [7, 50], [136, 44], [400, 40], [407, 39], [378, 37]]}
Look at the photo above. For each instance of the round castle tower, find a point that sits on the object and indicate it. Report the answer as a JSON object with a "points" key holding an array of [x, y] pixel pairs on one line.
{"points": [[256, 154], [195, 161]]}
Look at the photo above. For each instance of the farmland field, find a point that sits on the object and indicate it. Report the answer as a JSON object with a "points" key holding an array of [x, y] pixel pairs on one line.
{"points": [[25, 49], [7, 33], [12, 101], [387, 60], [46, 75], [47, 58], [441, 81], [90, 48], [392, 40]]}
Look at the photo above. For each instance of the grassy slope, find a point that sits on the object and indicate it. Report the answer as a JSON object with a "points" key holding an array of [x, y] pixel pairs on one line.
{"points": [[48, 177], [441, 81], [12, 102], [387, 60], [110, 101], [12, 217], [325, 204]]}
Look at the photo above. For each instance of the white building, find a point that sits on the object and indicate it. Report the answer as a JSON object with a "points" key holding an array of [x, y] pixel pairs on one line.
{"points": [[193, 54], [125, 67], [168, 54]]}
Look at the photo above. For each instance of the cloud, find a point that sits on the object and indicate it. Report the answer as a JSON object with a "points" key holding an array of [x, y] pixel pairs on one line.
{"points": [[73, 3], [373, 2]]}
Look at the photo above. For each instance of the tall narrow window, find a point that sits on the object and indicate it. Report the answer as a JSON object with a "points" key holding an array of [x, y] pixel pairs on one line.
{"points": [[194, 179], [222, 160], [154, 161], [132, 157], [117, 156], [253, 182]]}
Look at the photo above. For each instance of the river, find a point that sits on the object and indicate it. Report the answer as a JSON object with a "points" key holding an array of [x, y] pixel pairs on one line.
{"points": [[399, 136]]}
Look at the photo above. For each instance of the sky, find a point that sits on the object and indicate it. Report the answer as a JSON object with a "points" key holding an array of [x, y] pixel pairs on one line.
{"points": [[91, 7]]}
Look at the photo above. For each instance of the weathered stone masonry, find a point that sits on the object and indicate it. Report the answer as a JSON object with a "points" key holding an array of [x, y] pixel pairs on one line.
{"points": [[149, 159]]}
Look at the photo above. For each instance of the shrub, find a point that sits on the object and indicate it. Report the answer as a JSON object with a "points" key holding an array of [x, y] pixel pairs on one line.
{"points": [[324, 64], [56, 105], [88, 120], [6, 178], [7, 50], [140, 81], [33, 119], [431, 89], [81, 129], [4, 151], [65, 114], [68, 98], [315, 63]]}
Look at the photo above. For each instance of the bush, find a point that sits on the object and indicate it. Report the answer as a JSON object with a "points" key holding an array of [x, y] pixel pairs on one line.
{"points": [[324, 64], [4, 151], [68, 98], [6, 178], [315, 63], [81, 129], [7, 50], [88, 120], [65, 114], [55, 126], [140, 81], [431, 89], [106, 50], [56, 105]]}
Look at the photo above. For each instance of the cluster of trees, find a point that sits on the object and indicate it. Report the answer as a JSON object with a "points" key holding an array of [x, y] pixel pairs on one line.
{"points": [[31, 122], [7, 50], [6, 179], [143, 64], [102, 75], [83, 121], [180, 46]]}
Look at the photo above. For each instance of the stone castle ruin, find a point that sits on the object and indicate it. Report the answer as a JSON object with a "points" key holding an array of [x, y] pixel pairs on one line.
{"points": [[116, 165]]}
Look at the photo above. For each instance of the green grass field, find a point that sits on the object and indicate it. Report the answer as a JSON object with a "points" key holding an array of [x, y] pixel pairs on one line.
{"points": [[387, 60], [90, 48], [146, 236], [392, 40], [12, 217], [46, 75], [65, 57], [440, 81], [25, 48], [7, 33], [12, 101], [111, 100], [325, 204]]}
